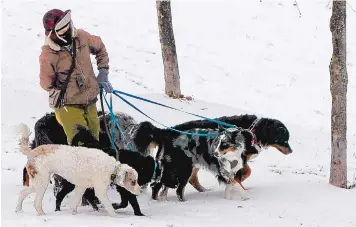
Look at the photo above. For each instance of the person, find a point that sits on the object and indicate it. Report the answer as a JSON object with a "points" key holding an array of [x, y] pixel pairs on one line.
{"points": [[65, 66]]}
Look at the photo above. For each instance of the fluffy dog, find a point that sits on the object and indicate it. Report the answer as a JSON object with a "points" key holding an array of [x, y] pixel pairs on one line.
{"points": [[82, 166], [221, 154], [268, 133], [147, 168]]}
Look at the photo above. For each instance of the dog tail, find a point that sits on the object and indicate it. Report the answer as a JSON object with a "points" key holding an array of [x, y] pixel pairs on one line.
{"points": [[25, 132]]}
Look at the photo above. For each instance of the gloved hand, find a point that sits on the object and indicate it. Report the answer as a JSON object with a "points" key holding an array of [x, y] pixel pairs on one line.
{"points": [[103, 80]]}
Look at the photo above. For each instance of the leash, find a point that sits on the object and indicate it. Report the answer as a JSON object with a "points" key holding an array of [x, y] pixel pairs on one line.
{"points": [[112, 131], [114, 118], [117, 93], [252, 130], [106, 125], [167, 127]]}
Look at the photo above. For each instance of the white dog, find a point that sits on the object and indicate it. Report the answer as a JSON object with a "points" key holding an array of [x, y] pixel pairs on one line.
{"points": [[83, 167]]}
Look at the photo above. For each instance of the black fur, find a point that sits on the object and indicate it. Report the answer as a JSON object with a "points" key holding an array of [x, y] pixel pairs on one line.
{"points": [[178, 160], [145, 166], [49, 131], [268, 131]]}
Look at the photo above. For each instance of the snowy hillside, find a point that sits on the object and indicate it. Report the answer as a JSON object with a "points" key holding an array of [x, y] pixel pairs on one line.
{"points": [[235, 57]]}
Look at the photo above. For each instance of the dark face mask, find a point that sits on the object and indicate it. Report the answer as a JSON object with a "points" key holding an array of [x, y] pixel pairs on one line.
{"points": [[66, 36]]}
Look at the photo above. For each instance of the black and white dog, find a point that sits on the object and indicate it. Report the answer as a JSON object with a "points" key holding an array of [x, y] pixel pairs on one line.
{"points": [[49, 131], [223, 153], [268, 133]]}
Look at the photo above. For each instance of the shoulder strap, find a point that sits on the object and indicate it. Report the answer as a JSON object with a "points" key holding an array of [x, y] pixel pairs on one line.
{"points": [[65, 84]]}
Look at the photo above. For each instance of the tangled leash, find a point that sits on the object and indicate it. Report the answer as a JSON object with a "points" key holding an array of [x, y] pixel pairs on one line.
{"points": [[120, 94]]}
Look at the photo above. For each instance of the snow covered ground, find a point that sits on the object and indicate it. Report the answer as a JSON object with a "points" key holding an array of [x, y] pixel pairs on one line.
{"points": [[235, 57]]}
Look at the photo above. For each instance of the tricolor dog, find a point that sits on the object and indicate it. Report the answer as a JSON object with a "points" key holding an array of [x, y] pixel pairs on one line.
{"points": [[222, 154]]}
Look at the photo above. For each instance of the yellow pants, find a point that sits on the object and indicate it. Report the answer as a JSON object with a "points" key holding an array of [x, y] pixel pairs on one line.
{"points": [[69, 117]]}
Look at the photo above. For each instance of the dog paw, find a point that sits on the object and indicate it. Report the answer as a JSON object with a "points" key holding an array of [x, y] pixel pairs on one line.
{"points": [[40, 213], [18, 210], [163, 198], [182, 199], [244, 197], [112, 214], [74, 211], [117, 206], [95, 208], [200, 188], [228, 197], [139, 214]]}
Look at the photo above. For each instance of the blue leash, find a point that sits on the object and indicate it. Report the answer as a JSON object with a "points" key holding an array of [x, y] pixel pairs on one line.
{"points": [[113, 117], [117, 93], [170, 128]]}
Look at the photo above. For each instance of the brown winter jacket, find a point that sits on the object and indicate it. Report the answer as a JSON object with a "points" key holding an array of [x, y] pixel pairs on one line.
{"points": [[57, 60]]}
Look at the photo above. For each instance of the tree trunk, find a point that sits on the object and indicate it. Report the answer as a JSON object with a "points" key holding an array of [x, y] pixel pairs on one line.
{"points": [[168, 47], [338, 88]]}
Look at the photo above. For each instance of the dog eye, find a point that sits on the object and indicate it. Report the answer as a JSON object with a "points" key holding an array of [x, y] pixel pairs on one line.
{"points": [[224, 145], [133, 183]]}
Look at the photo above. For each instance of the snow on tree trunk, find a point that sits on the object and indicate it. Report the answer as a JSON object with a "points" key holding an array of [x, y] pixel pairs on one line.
{"points": [[169, 54], [338, 88]]}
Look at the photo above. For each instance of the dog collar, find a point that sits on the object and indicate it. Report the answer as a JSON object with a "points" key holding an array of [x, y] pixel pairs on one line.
{"points": [[252, 130], [114, 174], [254, 138], [113, 177]]}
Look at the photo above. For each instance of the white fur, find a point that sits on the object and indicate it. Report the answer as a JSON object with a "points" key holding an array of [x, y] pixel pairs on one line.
{"points": [[232, 156], [81, 166], [22, 129], [217, 151], [228, 190]]}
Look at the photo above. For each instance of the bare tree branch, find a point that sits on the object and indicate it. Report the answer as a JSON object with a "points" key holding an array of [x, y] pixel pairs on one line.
{"points": [[350, 7], [296, 5]]}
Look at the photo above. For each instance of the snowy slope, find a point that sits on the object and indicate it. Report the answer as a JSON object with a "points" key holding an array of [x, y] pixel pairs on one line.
{"points": [[239, 57]]}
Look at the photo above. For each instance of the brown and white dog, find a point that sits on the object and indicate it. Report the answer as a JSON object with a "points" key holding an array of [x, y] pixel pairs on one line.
{"points": [[84, 167]]}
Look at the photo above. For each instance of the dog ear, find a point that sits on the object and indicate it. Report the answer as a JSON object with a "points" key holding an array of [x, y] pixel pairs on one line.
{"points": [[120, 172]]}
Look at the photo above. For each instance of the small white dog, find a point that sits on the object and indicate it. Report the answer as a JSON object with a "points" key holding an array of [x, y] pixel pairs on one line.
{"points": [[83, 167]]}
